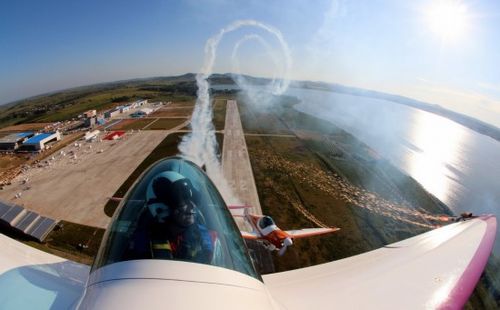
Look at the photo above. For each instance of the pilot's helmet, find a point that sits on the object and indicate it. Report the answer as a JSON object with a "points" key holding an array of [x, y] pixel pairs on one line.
{"points": [[165, 193], [170, 188], [176, 192]]}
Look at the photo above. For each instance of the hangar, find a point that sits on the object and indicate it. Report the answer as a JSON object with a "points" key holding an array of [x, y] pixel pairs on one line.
{"points": [[13, 141], [37, 143]]}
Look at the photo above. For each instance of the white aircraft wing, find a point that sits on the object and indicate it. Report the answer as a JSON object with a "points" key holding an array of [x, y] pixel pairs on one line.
{"points": [[438, 269], [32, 279], [308, 232], [249, 235]]}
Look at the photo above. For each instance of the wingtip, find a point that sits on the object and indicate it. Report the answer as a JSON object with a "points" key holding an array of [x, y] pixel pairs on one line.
{"points": [[467, 282]]}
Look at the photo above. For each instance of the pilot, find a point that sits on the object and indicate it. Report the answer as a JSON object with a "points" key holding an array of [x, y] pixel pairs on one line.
{"points": [[182, 235]]}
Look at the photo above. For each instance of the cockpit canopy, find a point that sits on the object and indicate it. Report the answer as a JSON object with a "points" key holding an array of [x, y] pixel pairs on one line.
{"points": [[266, 221], [174, 212]]}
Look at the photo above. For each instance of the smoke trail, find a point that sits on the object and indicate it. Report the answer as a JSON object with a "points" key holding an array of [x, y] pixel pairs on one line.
{"points": [[239, 79], [200, 145]]}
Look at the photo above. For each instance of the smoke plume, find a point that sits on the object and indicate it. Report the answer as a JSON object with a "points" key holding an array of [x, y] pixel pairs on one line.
{"points": [[200, 146]]}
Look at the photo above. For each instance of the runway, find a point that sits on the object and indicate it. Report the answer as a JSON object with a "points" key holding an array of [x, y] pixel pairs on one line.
{"points": [[236, 164]]}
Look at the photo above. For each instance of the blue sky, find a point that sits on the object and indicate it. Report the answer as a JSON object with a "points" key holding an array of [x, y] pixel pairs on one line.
{"points": [[390, 46]]}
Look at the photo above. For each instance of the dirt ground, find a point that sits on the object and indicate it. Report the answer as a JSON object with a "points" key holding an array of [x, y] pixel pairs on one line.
{"points": [[24, 127], [76, 188], [11, 161]]}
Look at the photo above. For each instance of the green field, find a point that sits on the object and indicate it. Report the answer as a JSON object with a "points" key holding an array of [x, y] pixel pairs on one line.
{"points": [[219, 113], [219, 118], [165, 123]]}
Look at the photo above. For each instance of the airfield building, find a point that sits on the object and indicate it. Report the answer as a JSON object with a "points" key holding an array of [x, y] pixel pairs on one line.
{"points": [[90, 113], [138, 103], [111, 113], [91, 135], [101, 120], [38, 143], [13, 141]]}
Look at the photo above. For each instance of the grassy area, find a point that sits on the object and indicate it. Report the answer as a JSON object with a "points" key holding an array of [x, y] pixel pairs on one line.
{"points": [[219, 113], [261, 121], [64, 241], [279, 191], [69, 236], [219, 117], [166, 123], [68, 104]]}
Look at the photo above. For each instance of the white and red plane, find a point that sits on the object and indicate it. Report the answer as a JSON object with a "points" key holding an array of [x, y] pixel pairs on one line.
{"points": [[270, 235], [173, 243]]}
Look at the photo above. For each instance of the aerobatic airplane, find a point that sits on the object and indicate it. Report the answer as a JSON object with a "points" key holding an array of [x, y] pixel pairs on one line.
{"points": [[271, 236], [173, 243]]}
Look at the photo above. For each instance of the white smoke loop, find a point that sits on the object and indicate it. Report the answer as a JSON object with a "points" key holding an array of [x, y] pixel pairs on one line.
{"points": [[200, 146], [239, 79]]}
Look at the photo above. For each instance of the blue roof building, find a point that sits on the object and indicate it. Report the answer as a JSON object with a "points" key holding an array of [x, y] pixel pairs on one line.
{"points": [[37, 143]]}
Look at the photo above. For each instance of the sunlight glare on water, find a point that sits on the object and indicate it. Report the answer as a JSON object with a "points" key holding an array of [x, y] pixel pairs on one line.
{"points": [[438, 142]]}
